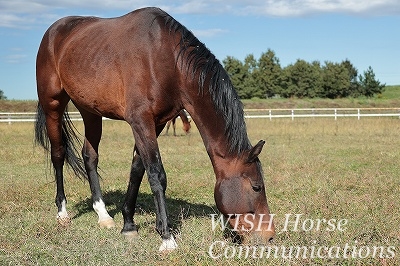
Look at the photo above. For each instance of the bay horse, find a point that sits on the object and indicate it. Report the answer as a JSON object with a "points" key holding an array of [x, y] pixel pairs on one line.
{"points": [[143, 68], [185, 121]]}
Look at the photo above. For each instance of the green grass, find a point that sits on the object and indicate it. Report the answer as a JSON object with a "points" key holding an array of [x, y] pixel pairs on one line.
{"points": [[321, 168], [391, 92], [388, 99]]}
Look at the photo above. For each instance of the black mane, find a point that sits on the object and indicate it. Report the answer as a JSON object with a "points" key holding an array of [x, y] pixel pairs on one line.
{"points": [[225, 98]]}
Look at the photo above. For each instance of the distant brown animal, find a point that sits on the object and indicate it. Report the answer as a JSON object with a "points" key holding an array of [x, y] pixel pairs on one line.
{"points": [[185, 121]]}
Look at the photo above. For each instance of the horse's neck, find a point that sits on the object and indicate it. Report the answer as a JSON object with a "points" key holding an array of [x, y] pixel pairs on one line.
{"points": [[211, 127]]}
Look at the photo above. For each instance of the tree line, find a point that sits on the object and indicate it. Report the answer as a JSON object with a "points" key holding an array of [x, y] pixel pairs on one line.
{"points": [[265, 78]]}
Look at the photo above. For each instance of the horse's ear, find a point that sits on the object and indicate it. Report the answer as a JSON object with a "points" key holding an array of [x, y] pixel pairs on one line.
{"points": [[255, 151]]}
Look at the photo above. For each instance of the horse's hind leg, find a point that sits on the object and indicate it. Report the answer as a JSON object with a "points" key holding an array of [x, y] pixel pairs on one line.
{"points": [[128, 209], [53, 110], [93, 130]]}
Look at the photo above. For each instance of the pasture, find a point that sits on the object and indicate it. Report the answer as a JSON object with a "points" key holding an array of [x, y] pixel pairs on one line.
{"points": [[345, 170]]}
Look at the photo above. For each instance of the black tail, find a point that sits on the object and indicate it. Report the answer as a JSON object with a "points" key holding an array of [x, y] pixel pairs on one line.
{"points": [[70, 139]]}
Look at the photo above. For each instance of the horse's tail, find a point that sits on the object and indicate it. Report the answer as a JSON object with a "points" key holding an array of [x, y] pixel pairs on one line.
{"points": [[70, 140]]}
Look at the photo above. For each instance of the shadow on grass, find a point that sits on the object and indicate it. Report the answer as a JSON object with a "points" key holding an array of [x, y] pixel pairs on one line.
{"points": [[178, 209]]}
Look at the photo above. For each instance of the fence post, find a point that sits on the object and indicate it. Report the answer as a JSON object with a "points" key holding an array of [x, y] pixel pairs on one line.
{"points": [[358, 113], [335, 114], [270, 114], [292, 114]]}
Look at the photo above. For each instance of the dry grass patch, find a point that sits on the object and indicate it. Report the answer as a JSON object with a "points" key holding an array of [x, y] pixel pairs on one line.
{"points": [[320, 168]]}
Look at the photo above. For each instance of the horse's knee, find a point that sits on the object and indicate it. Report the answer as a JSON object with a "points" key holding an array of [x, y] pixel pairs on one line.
{"points": [[89, 155], [157, 178], [57, 156]]}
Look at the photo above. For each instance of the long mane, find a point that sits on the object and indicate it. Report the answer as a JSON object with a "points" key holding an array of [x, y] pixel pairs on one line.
{"points": [[201, 62]]}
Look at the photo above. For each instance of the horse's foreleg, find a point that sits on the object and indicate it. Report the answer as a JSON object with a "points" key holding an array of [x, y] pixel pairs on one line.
{"points": [[93, 130], [158, 185], [146, 144]]}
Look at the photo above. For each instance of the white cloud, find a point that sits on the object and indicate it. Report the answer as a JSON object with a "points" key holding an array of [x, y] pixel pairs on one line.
{"points": [[307, 7], [282, 7], [15, 58], [23, 13], [10, 20], [208, 32]]}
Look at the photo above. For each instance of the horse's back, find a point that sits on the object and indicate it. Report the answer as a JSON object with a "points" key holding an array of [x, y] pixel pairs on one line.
{"points": [[107, 60], [72, 27]]}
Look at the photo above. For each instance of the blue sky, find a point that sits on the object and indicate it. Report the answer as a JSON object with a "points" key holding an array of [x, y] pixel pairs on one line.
{"points": [[365, 32]]}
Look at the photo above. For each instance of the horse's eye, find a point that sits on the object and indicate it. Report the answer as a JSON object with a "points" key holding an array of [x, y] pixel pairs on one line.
{"points": [[257, 188]]}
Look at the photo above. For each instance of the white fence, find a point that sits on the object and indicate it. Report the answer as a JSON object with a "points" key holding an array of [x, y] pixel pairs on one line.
{"points": [[255, 113], [30, 117], [322, 112]]}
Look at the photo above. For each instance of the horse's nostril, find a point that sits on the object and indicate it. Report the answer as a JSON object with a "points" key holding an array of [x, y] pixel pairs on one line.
{"points": [[271, 240]]}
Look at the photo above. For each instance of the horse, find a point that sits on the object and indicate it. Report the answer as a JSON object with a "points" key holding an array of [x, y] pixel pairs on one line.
{"points": [[143, 68], [185, 121]]}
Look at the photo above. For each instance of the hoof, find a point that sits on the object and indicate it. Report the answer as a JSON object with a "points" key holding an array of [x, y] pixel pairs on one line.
{"points": [[64, 221], [168, 245], [130, 235], [109, 223]]}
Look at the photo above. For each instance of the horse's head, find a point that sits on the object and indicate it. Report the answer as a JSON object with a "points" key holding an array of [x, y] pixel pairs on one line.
{"points": [[240, 196], [186, 126]]}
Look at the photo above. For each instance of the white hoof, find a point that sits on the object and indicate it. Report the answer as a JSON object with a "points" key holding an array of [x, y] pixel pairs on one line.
{"points": [[64, 221], [62, 216], [108, 223], [168, 245]]}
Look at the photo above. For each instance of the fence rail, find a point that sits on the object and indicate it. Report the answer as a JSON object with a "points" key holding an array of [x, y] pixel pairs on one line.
{"points": [[322, 112], [253, 113]]}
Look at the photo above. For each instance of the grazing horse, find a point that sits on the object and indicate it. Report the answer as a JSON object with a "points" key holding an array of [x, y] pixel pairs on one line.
{"points": [[143, 68], [185, 122]]}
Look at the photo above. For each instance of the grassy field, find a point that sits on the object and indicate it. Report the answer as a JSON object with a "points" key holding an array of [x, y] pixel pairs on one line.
{"points": [[321, 168]]}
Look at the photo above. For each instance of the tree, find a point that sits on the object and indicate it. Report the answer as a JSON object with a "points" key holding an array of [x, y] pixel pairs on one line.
{"points": [[244, 76], [238, 74], [336, 81], [265, 78], [354, 89], [251, 82], [2, 96], [369, 85], [268, 74], [302, 80]]}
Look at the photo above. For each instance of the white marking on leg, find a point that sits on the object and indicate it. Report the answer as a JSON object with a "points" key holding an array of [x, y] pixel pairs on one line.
{"points": [[63, 213], [62, 216], [168, 245], [105, 220]]}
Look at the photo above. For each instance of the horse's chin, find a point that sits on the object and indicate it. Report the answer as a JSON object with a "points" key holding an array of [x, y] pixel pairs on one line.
{"points": [[249, 233]]}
